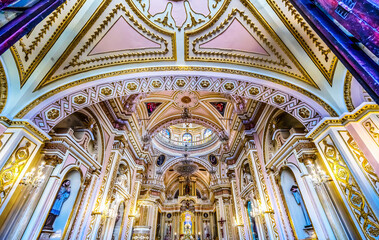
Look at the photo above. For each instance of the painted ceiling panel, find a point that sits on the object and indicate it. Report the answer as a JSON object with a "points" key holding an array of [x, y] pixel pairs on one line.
{"points": [[120, 37], [237, 38], [262, 40]]}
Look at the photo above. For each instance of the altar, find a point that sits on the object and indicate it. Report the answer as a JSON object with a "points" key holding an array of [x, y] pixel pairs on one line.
{"points": [[187, 226]]}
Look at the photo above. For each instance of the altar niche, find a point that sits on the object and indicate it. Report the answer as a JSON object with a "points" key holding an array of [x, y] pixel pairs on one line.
{"points": [[187, 225]]}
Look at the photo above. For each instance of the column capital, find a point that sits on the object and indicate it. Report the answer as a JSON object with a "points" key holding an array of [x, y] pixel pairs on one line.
{"points": [[52, 160], [307, 158]]}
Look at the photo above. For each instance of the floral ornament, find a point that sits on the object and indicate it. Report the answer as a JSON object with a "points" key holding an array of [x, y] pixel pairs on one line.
{"points": [[178, 9]]}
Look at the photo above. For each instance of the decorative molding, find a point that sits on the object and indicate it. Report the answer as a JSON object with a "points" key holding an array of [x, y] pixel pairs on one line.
{"points": [[347, 92], [265, 35], [316, 49], [193, 18], [361, 160], [120, 88], [372, 130], [14, 166], [29, 51], [51, 93], [3, 88], [74, 61], [356, 200]]}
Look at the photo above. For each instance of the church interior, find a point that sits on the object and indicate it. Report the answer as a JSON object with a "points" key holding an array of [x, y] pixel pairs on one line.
{"points": [[189, 119]]}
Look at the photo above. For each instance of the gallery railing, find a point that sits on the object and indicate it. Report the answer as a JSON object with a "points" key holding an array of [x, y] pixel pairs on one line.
{"points": [[182, 145]]}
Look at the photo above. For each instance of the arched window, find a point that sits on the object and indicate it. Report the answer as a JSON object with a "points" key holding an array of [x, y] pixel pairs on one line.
{"points": [[187, 137], [207, 133], [167, 133]]}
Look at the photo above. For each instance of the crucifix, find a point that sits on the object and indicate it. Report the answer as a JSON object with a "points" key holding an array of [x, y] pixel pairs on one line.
{"points": [[221, 227]]}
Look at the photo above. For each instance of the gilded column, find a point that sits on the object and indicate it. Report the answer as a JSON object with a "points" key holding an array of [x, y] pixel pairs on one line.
{"points": [[237, 207], [20, 143], [264, 199], [324, 197], [354, 198], [131, 214], [27, 199]]}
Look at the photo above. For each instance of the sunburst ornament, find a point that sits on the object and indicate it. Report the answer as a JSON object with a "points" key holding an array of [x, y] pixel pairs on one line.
{"points": [[186, 99]]}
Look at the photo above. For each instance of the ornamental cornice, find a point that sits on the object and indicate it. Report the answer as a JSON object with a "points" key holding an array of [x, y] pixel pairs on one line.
{"points": [[41, 135], [295, 142], [63, 141], [327, 123]]}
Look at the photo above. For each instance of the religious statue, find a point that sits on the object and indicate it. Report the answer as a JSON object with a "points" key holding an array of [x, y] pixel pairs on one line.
{"points": [[187, 189], [62, 196], [207, 232], [299, 200], [168, 233], [246, 175], [122, 180]]}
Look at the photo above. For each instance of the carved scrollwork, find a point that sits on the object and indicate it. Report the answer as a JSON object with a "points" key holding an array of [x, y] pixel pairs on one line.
{"points": [[362, 161], [355, 198], [12, 169]]}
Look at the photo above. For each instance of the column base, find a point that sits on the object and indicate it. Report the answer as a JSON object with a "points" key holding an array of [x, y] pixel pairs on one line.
{"points": [[46, 234]]}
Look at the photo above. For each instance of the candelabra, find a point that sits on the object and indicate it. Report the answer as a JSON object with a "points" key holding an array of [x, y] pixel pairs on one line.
{"points": [[35, 177], [318, 175]]}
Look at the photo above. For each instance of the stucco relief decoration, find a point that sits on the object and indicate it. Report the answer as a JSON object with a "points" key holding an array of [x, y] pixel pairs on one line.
{"points": [[186, 99], [13, 167], [352, 191], [179, 14]]}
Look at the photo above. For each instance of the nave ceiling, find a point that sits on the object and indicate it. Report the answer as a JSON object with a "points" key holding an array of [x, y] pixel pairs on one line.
{"points": [[253, 49]]}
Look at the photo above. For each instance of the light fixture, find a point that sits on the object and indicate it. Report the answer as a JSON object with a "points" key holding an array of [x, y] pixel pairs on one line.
{"points": [[318, 175], [186, 167], [35, 177], [186, 114]]}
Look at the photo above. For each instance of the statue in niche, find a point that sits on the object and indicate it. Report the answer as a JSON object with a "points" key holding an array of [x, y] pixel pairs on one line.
{"points": [[187, 189], [246, 175], [121, 178], [62, 196], [207, 231], [299, 200], [188, 225], [168, 232]]}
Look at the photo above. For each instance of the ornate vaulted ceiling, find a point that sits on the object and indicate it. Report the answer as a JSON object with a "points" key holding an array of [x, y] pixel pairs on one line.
{"points": [[254, 49]]}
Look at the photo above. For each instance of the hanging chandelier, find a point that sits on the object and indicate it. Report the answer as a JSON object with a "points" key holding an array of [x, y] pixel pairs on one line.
{"points": [[186, 114], [186, 167]]}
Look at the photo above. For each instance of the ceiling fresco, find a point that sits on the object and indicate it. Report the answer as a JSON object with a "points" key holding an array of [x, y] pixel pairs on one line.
{"points": [[261, 44]]}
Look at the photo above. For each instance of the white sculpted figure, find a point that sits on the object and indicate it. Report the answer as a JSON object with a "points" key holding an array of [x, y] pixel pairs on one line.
{"points": [[246, 175], [122, 180]]}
